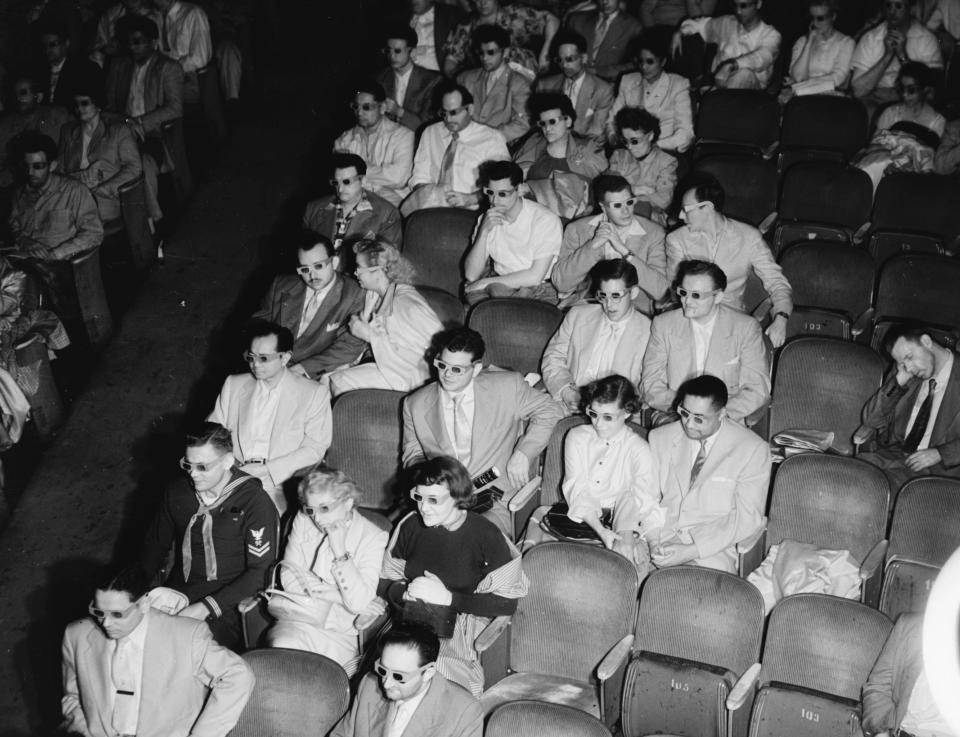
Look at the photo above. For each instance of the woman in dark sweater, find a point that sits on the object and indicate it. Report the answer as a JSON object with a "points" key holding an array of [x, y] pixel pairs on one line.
{"points": [[446, 562]]}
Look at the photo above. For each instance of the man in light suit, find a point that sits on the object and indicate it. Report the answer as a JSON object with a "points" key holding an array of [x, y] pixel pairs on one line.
{"points": [[706, 337], [598, 340], [916, 413], [130, 669], [484, 419], [315, 305], [591, 96], [608, 31], [713, 475], [500, 94], [405, 696], [409, 86], [280, 420]]}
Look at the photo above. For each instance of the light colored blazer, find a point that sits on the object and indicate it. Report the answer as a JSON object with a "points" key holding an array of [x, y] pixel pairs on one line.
{"points": [[736, 355], [504, 403], [726, 503], [447, 710], [886, 694], [672, 108], [302, 429], [593, 102], [504, 107], [162, 90], [181, 665], [567, 353]]}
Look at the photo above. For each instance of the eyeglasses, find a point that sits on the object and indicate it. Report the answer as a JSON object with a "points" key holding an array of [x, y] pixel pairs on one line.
{"points": [[649, 62], [448, 114], [251, 357], [346, 181], [201, 467], [501, 193], [37, 166], [422, 499], [366, 269], [102, 614], [611, 297], [490, 52], [394, 52], [687, 415], [364, 106], [744, 6], [819, 18], [696, 296], [568, 59], [687, 209], [894, 6], [453, 368], [318, 266], [628, 203], [549, 122], [23, 92], [908, 89], [398, 675], [51, 44], [83, 103], [603, 417], [138, 41], [312, 512], [635, 141]]}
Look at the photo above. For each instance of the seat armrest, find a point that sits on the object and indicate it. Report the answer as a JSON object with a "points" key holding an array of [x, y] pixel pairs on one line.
{"points": [[861, 233], [248, 604], [864, 323], [750, 551], [768, 222], [871, 574], [770, 150], [524, 494], [743, 687], [614, 659], [491, 633]]}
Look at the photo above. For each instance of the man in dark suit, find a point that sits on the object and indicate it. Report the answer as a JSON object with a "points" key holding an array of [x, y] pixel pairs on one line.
{"points": [[608, 32], [409, 86], [63, 70], [316, 306], [433, 23], [916, 413], [406, 696], [146, 88]]}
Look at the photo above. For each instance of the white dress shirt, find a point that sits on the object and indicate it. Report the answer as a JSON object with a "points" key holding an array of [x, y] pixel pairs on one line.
{"points": [[941, 377], [572, 87], [387, 148], [827, 64], [756, 49], [923, 717], [921, 45], [127, 675], [312, 300], [478, 143], [702, 333], [188, 36], [536, 233], [135, 102], [405, 710], [606, 341], [693, 447], [261, 417], [400, 84], [467, 399], [54, 78], [426, 52]]}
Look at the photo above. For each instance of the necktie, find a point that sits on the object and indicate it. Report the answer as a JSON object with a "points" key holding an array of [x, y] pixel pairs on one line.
{"points": [[698, 462], [568, 90], [446, 165], [124, 701], [388, 725], [603, 23], [164, 41], [309, 312], [488, 85], [209, 552], [919, 428], [461, 430]]}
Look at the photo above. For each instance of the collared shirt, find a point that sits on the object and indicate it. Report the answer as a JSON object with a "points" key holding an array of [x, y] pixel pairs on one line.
{"points": [[135, 102], [923, 717], [401, 81], [693, 446], [312, 300], [477, 143], [490, 78], [467, 399], [572, 87], [426, 52], [535, 233], [634, 229], [606, 341], [921, 46], [941, 377], [755, 49], [388, 150], [827, 65], [58, 222], [702, 332], [55, 70], [405, 710], [261, 419], [129, 651], [668, 98], [188, 36]]}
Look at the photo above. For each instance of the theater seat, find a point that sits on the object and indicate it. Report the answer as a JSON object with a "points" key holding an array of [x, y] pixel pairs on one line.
{"points": [[822, 127], [541, 719], [448, 308], [516, 331], [749, 183], [435, 240], [737, 121]]}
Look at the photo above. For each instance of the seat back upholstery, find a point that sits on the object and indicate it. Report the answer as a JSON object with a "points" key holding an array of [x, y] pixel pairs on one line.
{"points": [[825, 122], [824, 643], [920, 287], [921, 203], [749, 184], [448, 307], [542, 719], [826, 192], [570, 585], [366, 442], [515, 331], [435, 240], [831, 502], [701, 614], [822, 384], [926, 521], [297, 694], [749, 117], [826, 275]]}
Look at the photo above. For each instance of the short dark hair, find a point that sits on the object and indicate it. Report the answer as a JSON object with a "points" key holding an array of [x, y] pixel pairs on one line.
{"points": [[613, 268], [133, 23], [344, 160], [448, 87], [52, 27], [704, 385], [492, 171], [34, 142], [706, 188], [212, 433], [307, 240], [567, 37], [464, 340], [909, 331], [920, 72], [27, 74], [611, 389], [637, 119], [403, 32], [653, 40], [448, 472], [373, 88], [486, 34], [695, 267], [90, 85], [132, 580], [608, 184], [415, 636], [283, 335], [542, 102]]}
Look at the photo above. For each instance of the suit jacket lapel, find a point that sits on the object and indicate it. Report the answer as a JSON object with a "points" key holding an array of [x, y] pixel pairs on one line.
{"points": [[292, 306], [319, 321], [97, 662], [584, 99], [949, 406], [435, 415], [423, 716], [718, 349], [151, 693]]}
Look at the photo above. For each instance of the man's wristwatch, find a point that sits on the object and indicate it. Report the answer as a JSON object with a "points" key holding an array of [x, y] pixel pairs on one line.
{"points": [[782, 314]]}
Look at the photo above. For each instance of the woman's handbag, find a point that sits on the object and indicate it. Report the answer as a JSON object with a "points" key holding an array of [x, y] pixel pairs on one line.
{"points": [[557, 523], [291, 606]]}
